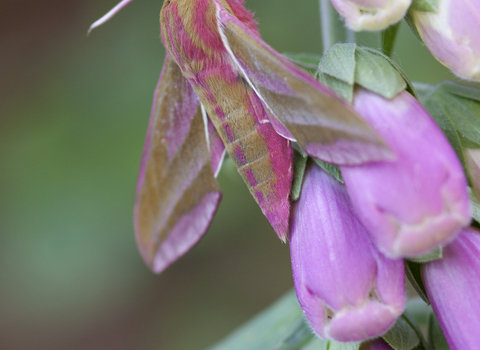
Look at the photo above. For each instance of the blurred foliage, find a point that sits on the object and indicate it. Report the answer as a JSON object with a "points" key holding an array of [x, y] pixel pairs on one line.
{"points": [[73, 114]]}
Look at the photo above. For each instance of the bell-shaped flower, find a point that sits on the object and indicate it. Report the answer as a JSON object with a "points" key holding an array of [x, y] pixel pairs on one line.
{"points": [[371, 15], [453, 287], [348, 290], [418, 202], [452, 34]]}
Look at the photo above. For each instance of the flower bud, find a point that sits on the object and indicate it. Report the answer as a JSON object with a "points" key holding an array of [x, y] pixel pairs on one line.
{"points": [[452, 34], [371, 15], [453, 287], [419, 201], [347, 289]]}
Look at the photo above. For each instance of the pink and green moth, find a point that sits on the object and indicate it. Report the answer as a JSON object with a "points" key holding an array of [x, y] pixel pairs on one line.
{"points": [[222, 88]]}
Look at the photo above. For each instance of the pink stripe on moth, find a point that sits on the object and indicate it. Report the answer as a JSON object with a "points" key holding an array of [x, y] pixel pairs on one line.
{"points": [[228, 132], [243, 15], [276, 205], [240, 156], [251, 178], [209, 35]]}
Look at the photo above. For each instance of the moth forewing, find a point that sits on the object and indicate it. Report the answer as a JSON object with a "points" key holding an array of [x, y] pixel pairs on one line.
{"points": [[323, 125], [177, 194]]}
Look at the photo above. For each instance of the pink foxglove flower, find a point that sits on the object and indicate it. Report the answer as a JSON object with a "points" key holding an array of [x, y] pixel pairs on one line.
{"points": [[453, 287], [348, 290], [371, 14], [452, 34], [419, 201]]}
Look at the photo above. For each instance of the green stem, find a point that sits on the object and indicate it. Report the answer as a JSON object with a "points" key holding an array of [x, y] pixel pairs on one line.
{"points": [[333, 28], [388, 39]]}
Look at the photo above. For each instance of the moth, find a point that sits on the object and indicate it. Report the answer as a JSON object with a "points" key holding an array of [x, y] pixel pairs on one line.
{"points": [[223, 89]]}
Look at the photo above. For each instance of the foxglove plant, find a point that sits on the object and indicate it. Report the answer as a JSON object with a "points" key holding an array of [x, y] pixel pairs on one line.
{"points": [[452, 34], [222, 89], [348, 290], [453, 287], [418, 202]]}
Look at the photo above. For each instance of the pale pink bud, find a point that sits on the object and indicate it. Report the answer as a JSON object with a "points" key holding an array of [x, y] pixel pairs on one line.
{"points": [[348, 290], [371, 14], [418, 202], [453, 287], [452, 34]]}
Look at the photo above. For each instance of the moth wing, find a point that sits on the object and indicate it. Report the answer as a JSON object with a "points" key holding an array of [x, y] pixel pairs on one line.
{"points": [[215, 143], [177, 194], [301, 108]]}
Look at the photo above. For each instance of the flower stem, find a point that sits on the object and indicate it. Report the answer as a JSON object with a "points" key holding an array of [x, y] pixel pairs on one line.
{"points": [[333, 28], [388, 39]]}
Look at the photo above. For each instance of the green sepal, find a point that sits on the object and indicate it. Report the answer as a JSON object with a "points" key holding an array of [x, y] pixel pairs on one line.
{"points": [[341, 88], [475, 207], [280, 327], [333, 170], [316, 344], [456, 109], [333, 345], [411, 23], [403, 335], [433, 255], [299, 167], [435, 334], [412, 271], [424, 5], [375, 72], [339, 62], [345, 65]]}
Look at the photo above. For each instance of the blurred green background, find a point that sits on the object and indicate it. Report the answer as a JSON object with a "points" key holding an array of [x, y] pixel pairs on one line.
{"points": [[73, 115]]}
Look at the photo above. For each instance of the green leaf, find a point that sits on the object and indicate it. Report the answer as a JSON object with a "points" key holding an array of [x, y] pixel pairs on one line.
{"points": [[299, 167], [402, 336], [375, 72], [424, 5], [456, 109], [341, 88], [339, 62], [433, 255], [280, 327], [411, 23], [412, 270], [418, 310], [316, 344], [475, 207], [343, 346], [331, 169], [308, 61], [466, 91], [435, 334]]}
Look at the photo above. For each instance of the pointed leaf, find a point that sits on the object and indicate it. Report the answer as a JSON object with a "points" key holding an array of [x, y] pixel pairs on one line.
{"points": [[339, 62], [375, 73], [433, 255], [281, 326], [435, 334], [299, 166], [424, 5], [402, 336], [412, 270]]}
